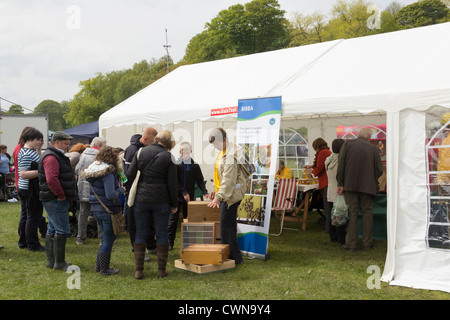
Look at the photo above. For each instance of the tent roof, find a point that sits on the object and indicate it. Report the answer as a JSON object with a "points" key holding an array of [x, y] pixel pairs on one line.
{"points": [[87, 130], [390, 71]]}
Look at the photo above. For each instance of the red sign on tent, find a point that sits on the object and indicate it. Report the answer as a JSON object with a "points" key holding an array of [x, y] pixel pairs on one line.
{"points": [[223, 111]]}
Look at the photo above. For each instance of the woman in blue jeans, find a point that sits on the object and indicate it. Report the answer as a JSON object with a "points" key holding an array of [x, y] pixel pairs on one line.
{"points": [[156, 199], [106, 189]]}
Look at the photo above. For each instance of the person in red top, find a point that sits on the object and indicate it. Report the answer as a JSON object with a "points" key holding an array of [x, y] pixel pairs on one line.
{"points": [[318, 170]]}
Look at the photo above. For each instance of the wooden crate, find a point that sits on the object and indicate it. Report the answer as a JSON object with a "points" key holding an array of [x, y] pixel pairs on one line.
{"points": [[204, 268], [205, 254], [198, 211]]}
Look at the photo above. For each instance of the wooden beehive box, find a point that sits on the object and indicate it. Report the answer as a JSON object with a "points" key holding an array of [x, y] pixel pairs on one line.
{"points": [[198, 211], [199, 233], [215, 254]]}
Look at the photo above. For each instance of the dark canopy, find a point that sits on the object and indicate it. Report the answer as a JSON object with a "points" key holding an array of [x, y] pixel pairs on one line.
{"points": [[87, 130]]}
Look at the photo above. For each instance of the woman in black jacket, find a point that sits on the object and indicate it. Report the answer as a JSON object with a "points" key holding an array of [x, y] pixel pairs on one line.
{"points": [[156, 198]]}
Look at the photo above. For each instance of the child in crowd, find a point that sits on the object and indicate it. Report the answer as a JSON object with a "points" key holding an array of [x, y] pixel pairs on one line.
{"points": [[189, 173]]}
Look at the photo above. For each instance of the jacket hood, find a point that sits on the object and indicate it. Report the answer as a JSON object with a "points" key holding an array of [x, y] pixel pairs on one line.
{"points": [[331, 161], [90, 151], [97, 169], [135, 139]]}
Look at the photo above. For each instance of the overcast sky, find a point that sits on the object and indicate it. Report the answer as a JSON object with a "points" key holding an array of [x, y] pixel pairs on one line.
{"points": [[48, 46]]}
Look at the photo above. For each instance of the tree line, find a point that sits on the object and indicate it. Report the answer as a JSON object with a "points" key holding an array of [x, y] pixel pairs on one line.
{"points": [[242, 29]]}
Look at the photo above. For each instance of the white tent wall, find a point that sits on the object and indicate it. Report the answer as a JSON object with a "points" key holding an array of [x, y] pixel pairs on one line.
{"points": [[409, 261]]}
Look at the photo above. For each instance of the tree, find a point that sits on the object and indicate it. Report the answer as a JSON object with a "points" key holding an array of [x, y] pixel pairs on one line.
{"points": [[15, 109], [257, 26], [89, 103], [268, 25], [104, 91], [55, 112], [349, 20], [307, 29], [423, 13]]}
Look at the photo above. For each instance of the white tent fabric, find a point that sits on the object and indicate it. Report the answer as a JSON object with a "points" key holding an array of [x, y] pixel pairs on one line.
{"points": [[190, 92], [401, 74]]}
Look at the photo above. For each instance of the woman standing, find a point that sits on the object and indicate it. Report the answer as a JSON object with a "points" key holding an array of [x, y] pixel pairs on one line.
{"points": [[4, 169], [28, 188], [156, 198], [103, 175], [318, 170], [337, 234]]}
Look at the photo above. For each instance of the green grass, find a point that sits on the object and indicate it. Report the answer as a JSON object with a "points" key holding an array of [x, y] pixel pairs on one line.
{"points": [[302, 265]]}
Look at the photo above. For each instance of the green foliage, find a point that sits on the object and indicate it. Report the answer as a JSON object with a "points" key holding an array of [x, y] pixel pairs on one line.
{"points": [[257, 26], [15, 109], [423, 13], [104, 91], [55, 112], [349, 20]]}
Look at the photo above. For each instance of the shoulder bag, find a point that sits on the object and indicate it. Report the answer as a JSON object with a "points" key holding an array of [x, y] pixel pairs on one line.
{"points": [[118, 219], [133, 189]]}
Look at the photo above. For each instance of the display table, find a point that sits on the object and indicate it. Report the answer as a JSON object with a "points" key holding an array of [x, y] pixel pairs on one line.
{"points": [[307, 189]]}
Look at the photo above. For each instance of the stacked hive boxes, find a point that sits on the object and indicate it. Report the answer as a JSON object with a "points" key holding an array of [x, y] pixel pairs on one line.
{"points": [[200, 240]]}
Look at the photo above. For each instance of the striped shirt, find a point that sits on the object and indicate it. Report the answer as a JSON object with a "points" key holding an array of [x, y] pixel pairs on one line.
{"points": [[25, 158]]}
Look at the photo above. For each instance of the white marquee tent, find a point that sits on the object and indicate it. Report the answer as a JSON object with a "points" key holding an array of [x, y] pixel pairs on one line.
{"points": [[393, 78]]}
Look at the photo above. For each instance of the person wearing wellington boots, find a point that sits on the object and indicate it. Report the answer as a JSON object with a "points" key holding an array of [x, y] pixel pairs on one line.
{"points": [[57, 188], [156, 199], [106, 189]]}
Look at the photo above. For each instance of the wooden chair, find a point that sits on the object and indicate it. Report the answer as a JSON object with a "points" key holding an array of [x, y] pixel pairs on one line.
{"points": [[285, 199]]}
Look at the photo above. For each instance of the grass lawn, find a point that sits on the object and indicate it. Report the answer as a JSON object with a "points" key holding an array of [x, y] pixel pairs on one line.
{"points": [[302, 266]]}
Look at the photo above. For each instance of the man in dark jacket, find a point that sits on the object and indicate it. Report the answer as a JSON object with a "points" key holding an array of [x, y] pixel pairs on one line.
{"points": [[57, 188], [359, 167], [137, 141]]}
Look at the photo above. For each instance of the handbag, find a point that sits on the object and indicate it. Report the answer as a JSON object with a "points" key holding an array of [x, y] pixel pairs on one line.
{"points": [[339, 213], [118, 219], [133, 189]]}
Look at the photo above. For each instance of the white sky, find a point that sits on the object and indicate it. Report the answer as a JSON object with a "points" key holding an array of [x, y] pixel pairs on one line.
{"points": [[48, 46]]}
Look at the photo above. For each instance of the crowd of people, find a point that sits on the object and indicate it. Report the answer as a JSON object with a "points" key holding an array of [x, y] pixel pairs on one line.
{"points": [[96, 180], [351, 168]]}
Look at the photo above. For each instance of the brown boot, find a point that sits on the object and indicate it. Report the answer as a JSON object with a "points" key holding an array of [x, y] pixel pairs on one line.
{"points": [[162, 251], [139, 255]]}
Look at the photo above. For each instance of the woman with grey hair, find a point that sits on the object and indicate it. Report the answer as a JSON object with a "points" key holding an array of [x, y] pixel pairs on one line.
{"points": [[86, 158]]}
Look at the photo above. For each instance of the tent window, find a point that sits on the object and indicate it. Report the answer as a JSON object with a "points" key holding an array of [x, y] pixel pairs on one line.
{"points": [[293, 149], [438, 177]]}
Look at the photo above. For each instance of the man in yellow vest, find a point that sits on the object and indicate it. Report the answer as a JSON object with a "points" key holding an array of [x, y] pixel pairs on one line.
{"points": [[229, 190]]}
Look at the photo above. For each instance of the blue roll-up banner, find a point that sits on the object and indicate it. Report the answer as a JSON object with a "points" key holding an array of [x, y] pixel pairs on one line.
{"points": [[258, 127]]}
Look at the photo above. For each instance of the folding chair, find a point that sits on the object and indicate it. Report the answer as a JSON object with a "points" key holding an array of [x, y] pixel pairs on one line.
{"points": [[285, 199]]}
